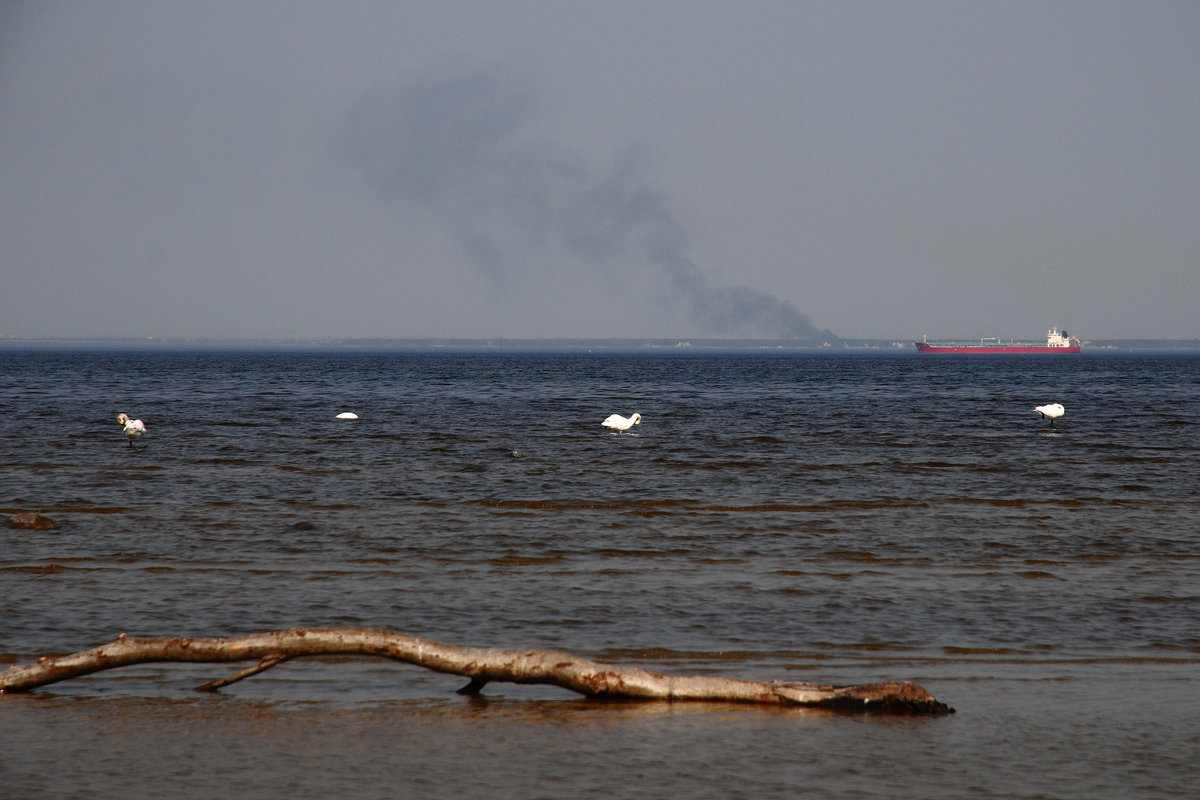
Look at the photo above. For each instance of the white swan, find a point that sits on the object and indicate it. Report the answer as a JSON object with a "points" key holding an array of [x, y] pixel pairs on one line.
{"points": [[1051, 412], [347, 415], [134, 428], [619, 423]]}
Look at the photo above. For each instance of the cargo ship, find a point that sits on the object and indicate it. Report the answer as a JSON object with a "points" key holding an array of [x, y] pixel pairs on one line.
{"points": [[1055, 343]]}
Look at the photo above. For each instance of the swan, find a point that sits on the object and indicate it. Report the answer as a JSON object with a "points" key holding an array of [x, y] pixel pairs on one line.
{"points": [[134, 428], [619, 423], [1051, 412], [347, 415]]}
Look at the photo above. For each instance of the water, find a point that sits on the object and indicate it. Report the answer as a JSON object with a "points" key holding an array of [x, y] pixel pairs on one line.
{"points": [[825, 518]]}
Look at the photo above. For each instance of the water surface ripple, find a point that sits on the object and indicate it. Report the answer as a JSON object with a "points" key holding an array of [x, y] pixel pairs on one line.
{"points": [[835, 518]]}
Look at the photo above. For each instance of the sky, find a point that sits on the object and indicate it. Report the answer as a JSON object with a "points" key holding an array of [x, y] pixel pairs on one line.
{"points": [[630, 169]]}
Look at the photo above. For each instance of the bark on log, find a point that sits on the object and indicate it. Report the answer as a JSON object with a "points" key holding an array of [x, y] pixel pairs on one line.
{"points": [[480, 664]]}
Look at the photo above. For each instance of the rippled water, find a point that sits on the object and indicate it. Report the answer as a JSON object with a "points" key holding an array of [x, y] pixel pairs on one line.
{"points": [[833, 518]]}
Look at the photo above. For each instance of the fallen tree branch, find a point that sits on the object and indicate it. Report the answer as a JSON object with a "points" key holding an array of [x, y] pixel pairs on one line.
{"points": [[265, 664], [480, 664]]}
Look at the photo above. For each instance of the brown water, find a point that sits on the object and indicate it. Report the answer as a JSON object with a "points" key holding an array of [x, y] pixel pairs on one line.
{"points": [[837, 519]]}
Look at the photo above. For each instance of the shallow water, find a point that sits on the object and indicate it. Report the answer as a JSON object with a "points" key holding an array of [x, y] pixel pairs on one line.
{"points": [[829, 518]]}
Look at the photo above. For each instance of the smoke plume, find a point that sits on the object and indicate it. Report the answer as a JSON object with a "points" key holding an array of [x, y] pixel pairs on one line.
{"points": [[455, 145]]}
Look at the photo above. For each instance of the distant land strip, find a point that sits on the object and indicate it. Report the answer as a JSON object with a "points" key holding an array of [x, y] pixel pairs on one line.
{"points": [[836, 345]]}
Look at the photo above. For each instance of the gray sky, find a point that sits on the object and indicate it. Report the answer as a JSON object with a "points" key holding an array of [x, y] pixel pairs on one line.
{"points": [[596, 169]]}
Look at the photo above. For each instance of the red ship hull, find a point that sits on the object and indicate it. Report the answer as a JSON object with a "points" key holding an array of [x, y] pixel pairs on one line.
{"points": [[997, 349], [1055, 343]]}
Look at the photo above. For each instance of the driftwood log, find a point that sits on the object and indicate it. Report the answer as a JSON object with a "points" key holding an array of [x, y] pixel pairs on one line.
{"points": [[480, 664]]}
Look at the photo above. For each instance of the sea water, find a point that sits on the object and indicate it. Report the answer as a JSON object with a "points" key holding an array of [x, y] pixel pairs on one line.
{"points": [[834, 518]]}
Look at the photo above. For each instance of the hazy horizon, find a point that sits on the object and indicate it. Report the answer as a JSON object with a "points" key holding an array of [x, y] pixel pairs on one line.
{"points": [[544, 170]]}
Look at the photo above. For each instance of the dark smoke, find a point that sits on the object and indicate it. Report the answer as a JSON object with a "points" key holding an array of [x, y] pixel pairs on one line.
{"points": [[454, 145]]}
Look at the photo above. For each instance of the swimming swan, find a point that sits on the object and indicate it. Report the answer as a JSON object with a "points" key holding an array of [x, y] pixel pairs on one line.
{"points": [[619, 423], [347, 415], [1051, 412], [134, 428]]}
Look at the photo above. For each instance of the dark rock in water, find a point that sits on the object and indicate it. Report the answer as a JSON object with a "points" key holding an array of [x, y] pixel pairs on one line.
{"points": [[31, 521]]}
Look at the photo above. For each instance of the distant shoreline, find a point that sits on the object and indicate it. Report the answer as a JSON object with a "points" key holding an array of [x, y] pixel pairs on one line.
{"points": [[841, 345]]}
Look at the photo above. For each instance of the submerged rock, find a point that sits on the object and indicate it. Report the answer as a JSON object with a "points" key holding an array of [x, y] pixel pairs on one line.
{"points": [[29, 520]]}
